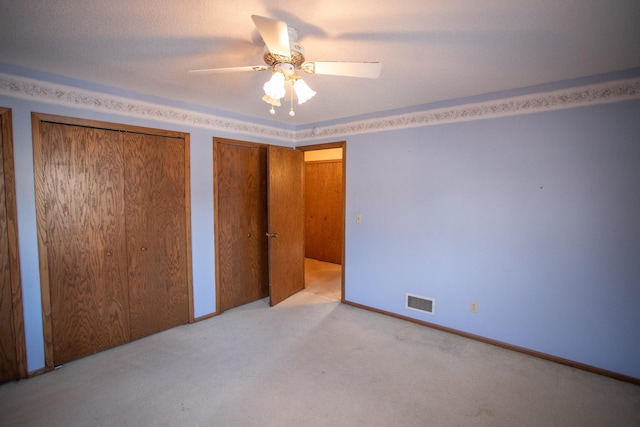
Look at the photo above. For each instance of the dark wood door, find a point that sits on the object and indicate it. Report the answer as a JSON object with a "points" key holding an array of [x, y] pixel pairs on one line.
{"points": [[12, 352], [241, 222], [155, 199], [286, 222], [86, 251], [323, 210]]}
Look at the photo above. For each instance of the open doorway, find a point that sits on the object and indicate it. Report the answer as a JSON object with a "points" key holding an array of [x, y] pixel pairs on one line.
{"points": [[324, 219], [244, 208]]}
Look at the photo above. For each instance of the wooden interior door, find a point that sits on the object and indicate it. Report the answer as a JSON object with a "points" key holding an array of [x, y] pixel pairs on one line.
{"points": [[12, 346], [241, 222], [323, 210], [83, 207], [286, 222], [155, 203]]}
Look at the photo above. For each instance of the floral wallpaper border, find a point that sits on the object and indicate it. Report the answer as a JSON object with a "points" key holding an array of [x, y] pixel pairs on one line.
{"points": [[602, 93], [42, 91], [51, 93]]}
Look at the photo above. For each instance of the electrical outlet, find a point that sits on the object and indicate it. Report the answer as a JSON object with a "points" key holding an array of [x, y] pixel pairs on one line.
{"points": [[359, 219], [474, 307]]}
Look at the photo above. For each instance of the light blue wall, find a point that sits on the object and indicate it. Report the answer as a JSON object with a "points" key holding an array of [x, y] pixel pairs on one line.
{"points": [[535, 217]]}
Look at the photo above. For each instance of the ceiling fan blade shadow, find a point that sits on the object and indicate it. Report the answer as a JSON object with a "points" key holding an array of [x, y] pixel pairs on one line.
{"points": [[185, 47], [454, 38], [393, 36], [368, 70], [274, 33]]}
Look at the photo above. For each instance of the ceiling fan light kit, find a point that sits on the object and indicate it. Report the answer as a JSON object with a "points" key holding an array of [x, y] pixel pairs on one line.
{"points": [[284, 55], [303, 91], [274, 88]]}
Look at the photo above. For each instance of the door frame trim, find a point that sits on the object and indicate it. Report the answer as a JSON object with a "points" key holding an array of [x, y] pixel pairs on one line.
{"points": [[6, 128], [343, 145], [36, 122]]}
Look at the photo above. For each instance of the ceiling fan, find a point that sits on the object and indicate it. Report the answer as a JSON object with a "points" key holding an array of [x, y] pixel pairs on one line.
{"points": [[284, 55]]}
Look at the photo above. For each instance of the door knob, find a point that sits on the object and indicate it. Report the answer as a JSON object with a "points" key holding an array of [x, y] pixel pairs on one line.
{"points": [[108, 253], [143, 249]]}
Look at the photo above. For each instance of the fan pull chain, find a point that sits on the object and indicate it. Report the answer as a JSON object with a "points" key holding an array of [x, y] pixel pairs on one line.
{"points": [[291, 112]]}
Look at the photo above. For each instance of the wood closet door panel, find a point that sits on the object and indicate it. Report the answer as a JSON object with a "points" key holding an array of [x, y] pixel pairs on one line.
{"points": [[156, 232], [241, 205], [87, 259]]}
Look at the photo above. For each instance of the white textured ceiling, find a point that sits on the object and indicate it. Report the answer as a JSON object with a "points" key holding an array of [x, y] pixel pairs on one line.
{"points": [[431, 50]]}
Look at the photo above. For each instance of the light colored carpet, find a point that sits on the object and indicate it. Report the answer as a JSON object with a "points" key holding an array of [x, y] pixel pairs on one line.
{"points": [[311, 361]]}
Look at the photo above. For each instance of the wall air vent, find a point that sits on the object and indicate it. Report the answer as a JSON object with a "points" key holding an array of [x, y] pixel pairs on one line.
{"points": [[423, 304]]}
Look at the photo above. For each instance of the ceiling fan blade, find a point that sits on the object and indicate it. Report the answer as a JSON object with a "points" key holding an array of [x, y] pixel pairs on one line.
{"points": [[274, 33], [368, 70], [230, 70]]}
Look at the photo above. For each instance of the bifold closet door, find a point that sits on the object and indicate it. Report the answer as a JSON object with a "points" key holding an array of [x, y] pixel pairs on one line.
{"points": [[156, 241], [85, 223], [113, 233]]}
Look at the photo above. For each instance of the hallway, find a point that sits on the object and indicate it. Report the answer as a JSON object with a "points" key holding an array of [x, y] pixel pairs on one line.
{"points": [[323, 278]]}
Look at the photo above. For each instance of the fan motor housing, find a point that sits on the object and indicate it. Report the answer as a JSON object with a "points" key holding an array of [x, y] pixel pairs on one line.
{"points": [[296, 59]]}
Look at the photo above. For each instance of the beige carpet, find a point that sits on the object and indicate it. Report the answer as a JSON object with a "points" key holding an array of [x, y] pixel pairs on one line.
{"points": [[323, 278], [311, 361]]}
